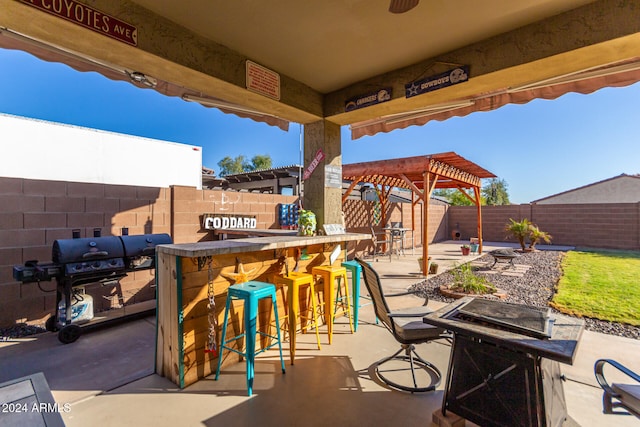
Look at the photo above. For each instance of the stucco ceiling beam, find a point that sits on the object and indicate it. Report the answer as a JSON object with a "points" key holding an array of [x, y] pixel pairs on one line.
{"points": [[167, 52], [576, 40]]}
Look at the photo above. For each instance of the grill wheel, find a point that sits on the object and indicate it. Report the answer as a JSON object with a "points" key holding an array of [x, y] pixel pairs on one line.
{"points": [[69, 334]]}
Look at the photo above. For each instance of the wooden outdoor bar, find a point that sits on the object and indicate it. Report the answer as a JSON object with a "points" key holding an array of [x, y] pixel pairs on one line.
{"points": [[188, 273]]}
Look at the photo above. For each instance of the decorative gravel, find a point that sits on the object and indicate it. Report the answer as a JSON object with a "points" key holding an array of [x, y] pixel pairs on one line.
{"points": [[535, 288]]}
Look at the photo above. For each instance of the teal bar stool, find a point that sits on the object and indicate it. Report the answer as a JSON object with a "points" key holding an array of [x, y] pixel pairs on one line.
{"points": [[251, 293], [355, 270]]}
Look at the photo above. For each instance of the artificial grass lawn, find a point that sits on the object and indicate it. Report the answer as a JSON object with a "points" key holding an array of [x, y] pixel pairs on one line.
{"points": [[602, 285]]}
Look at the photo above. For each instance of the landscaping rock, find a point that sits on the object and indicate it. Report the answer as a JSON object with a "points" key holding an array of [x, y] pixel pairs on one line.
{"points": [[535, 287]]}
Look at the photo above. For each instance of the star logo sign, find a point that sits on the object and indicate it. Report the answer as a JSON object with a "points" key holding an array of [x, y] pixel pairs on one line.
{"points": [[411, 90]]}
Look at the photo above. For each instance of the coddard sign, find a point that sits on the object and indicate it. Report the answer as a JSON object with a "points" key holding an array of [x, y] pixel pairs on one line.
{"points": [[223, 221]]}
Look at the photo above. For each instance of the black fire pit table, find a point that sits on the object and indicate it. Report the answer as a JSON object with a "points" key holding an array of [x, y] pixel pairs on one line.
{"points": [[504, 368]]}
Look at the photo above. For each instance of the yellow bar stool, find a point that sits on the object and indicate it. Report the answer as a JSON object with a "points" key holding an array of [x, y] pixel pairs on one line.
{"points": [[294, 281], [329, 276]]}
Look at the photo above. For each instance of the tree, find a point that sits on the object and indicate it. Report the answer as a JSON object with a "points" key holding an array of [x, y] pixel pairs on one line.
{"points": [[260, 161], [455, 197], [519, 229], [495, 192], [229, 166]]}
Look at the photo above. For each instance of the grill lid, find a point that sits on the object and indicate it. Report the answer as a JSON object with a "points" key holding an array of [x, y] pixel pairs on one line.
{"points": [[86, 249], [143, 244]]}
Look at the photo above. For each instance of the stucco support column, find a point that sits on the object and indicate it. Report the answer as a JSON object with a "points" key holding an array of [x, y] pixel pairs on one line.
{"points": [[325, 202]]}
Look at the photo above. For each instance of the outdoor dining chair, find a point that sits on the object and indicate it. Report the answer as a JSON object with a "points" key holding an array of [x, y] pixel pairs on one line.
{"points": [[379, 241], [627, 396], [397, 236], [408, 329]]}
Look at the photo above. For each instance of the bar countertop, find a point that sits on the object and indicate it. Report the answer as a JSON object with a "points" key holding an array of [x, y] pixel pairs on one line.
{"points": [[251, 244]]}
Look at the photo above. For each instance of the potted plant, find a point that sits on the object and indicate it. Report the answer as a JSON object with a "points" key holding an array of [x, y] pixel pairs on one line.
{"points": [[428, 264], [433, 268], [465, 249], [306, 223]]}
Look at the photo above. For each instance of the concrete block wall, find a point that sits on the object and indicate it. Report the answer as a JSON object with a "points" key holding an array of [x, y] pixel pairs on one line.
{"points": [[34, 213], [189, 205], [609, 226], [359, 217]]}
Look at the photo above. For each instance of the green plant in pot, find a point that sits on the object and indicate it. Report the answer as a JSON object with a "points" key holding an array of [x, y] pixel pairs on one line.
{"points": [[306, 223]]}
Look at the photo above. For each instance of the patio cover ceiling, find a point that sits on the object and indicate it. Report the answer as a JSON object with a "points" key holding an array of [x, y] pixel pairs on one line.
{"points": [[327, 52]]}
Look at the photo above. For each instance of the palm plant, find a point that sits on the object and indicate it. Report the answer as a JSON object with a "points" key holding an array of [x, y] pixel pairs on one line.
{"points": [[535, 235], [519, 229]]}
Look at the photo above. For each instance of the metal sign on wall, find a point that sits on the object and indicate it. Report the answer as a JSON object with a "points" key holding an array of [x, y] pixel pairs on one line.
{"points": [[373, 98], [439, 81], [263, 80], [333, 176], [88, 17], [314, 164], [225, 221]]}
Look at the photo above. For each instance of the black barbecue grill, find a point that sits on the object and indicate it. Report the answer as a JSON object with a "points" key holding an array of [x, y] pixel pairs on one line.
{"points": [[81, 261]]}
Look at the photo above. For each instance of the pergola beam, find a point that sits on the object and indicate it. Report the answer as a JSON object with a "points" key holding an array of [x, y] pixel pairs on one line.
{"points": [[422, 175]]}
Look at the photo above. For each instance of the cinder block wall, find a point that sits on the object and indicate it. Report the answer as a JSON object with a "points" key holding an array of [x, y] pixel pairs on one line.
{"points": [[189, 204], [610, 226], [359, 217], [34, 213]]}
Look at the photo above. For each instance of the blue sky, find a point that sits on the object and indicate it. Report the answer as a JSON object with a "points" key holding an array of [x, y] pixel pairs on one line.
{"points": [[539, 149]]}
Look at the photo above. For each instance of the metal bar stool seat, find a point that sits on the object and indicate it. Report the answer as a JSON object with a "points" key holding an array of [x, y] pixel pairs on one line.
{"points": [[250, 292], [294, 281], [329, 276]]}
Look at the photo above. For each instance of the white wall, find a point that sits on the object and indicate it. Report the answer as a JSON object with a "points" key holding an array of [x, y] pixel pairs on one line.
{"points": [[37, 149]]}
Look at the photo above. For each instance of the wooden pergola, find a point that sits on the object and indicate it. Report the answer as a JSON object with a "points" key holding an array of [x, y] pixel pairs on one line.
{"points": [[421, 175]]}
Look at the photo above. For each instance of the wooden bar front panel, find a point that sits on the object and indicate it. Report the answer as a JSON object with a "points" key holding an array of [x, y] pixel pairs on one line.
{"points": [[183, 296]]}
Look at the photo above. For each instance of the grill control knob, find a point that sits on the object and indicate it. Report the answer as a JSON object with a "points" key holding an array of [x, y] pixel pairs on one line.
{"points": [[96, 264]]}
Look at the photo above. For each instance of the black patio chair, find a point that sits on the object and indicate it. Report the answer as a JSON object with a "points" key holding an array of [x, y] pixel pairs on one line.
{"points": [[627, 396], [408, 329]]}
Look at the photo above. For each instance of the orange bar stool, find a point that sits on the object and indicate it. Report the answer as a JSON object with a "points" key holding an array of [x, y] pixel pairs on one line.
{"points": [[329, 276], [294, 281], [250, 292]]}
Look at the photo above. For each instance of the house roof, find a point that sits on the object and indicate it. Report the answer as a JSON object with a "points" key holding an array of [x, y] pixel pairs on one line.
{"points": [[593, 184]]}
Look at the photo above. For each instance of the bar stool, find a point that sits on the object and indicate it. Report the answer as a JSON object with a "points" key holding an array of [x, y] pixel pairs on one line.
{"points": [[294, 281], [250, 292], [329, 276], [356, 271]]}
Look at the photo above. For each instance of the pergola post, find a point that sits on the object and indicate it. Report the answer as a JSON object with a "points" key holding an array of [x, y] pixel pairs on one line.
{"points": [[476, 191], [425, 226]]}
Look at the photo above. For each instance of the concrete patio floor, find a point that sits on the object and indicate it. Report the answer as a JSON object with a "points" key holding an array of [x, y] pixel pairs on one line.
{"points": [[107, 375]]}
